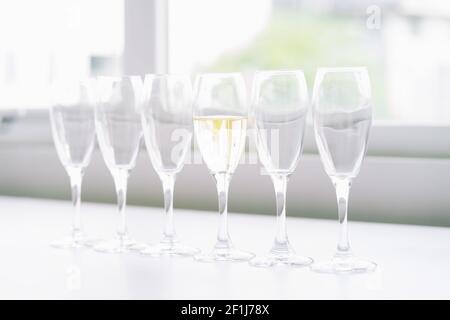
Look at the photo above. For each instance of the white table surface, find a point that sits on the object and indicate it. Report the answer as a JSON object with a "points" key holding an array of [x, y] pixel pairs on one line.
{"points": [[414, 262]]}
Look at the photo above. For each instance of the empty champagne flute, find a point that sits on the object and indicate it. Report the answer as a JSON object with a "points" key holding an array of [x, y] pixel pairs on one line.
{"points": [[220, 124], [167, 125], [342, 111], [73, 130], [119, 132], [279, 109]]}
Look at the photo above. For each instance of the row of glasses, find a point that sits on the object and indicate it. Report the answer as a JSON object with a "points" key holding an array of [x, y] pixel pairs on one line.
{"points": [[106, 107], [120, 110], [164, 110]]}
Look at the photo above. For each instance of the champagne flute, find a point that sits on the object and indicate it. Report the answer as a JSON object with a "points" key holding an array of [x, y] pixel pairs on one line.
{"points": [[167, 123], [279, 108], [342, 110], [73, 130], [220, 124], [119, 132]]}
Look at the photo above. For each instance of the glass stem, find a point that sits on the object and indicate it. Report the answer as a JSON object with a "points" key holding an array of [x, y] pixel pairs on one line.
{"points": [[76, 177], [168, 182], [223, 181], [342, 191], [281, 239], [120, 181]]}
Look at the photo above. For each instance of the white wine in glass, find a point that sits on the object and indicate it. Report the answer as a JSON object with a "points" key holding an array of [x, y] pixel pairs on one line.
{"points": [[221, 140], [342, 108], [220, 125]]}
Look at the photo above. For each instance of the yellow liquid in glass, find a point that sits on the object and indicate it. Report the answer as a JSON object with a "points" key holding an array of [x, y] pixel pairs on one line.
{"points": [[221, 140]]}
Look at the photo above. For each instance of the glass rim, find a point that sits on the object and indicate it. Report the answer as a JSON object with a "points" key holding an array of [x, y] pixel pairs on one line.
{"points": [[322, 70], [281, 72], [167, 75], [121, 77], [74, 80], [220, 74]]}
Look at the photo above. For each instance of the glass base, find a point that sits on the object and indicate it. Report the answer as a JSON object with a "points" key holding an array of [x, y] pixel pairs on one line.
{"points": [[344, 264], [281, 254], [225, 254], [272, 260], [175, 248], [137, 246], [75, 242], [118, 245]]}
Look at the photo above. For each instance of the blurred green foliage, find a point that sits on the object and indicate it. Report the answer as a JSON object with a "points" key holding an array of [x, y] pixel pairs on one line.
{"points": [[292, 40]]}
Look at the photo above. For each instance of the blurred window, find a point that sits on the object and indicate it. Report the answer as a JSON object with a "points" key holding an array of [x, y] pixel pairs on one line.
{"points": [[404, 43], [46, 40]]}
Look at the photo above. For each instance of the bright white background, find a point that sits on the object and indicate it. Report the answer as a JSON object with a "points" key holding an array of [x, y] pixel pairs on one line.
{"points": [[405, 178]]}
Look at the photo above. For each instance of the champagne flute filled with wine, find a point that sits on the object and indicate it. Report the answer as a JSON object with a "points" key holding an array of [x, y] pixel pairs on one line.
{"points": [[220, 125]]}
